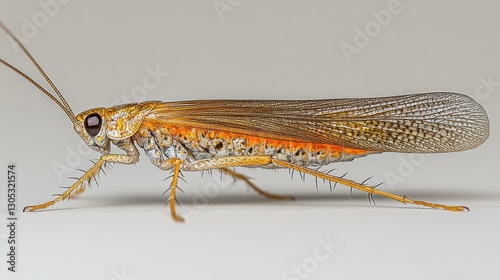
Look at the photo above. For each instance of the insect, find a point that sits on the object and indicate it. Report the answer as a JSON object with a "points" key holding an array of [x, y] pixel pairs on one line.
{"points": [[300, 135]]}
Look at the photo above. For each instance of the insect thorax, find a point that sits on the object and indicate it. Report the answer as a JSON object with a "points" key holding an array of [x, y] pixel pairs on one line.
{"points": [[191, 144]]}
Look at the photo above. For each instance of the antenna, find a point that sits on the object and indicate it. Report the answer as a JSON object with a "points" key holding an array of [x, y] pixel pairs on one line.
{"points": [[64, 105]]}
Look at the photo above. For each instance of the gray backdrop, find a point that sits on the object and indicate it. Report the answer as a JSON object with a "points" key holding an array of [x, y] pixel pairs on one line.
{"points": [[99, 54]]}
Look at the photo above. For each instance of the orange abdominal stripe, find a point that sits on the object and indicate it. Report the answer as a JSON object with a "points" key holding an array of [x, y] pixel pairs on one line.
{"points": [[201, 142]]}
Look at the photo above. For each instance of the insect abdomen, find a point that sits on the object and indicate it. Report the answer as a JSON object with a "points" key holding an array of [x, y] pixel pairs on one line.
{"points": [[202, 144], [196, 144]]}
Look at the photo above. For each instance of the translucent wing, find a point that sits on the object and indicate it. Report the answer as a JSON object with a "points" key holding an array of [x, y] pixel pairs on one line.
{"points": [[417, 123]]}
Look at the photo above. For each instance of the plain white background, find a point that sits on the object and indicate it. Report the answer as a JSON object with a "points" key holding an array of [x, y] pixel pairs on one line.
{"points": [[98, 53]]}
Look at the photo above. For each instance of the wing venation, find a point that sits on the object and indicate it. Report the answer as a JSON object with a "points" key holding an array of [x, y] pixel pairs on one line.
{"points": [[416, 123]]}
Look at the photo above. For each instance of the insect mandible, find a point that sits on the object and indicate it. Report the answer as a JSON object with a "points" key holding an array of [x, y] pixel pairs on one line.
{"points": [[300, 135]]}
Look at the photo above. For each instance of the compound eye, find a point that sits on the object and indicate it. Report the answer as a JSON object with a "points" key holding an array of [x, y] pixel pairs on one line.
{"points": [[93, 123]]}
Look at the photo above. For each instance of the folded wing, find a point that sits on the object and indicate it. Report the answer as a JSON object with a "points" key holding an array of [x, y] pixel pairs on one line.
{"points": [[417, 123]]}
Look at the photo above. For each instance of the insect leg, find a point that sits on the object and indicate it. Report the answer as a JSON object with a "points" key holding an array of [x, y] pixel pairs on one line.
{"points": [[265, 160], [176, 164], [230, 161], [367, 189], [238, 176], [131, 157], [79, 185]]}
